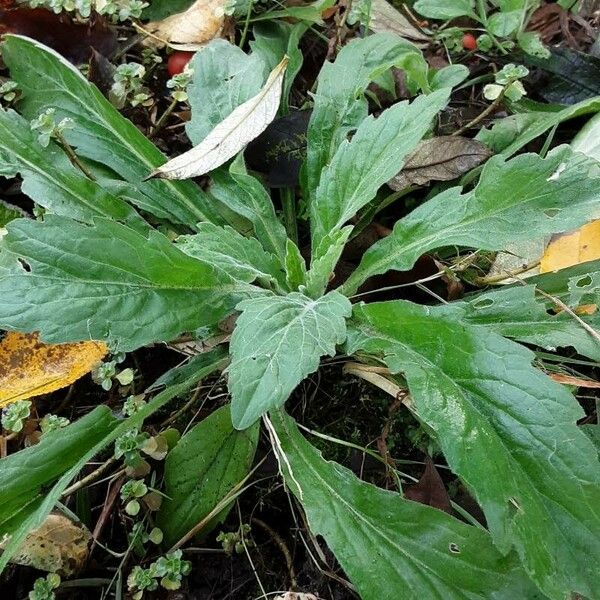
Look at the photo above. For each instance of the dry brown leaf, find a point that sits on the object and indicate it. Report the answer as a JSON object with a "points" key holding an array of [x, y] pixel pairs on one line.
{"points": [[384, 17], [58, 546], [199, 24], [568, 249], [441, 158], [28, 367], [576, 381]]}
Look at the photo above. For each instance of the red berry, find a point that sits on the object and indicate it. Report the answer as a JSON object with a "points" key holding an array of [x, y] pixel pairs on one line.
{"points": [[469, 42], [177, 62]]}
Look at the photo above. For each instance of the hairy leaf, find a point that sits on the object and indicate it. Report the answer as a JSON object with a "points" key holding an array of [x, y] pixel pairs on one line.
{"points": [[51, 180], [206, 464], [388, 546], [243, 258], [276, 343], [373, 156], [230, 136], [295, 266], [339, 103], [514, 200], [245, 195], [517, 312], [440, 158], [507, 430], [327, 255], [107, 282], [100, 133]]}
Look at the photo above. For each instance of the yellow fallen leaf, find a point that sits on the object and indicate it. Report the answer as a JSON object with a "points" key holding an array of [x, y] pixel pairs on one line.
{"points": [[573, 248], [199, 24], [59, 545], [29, 367]]}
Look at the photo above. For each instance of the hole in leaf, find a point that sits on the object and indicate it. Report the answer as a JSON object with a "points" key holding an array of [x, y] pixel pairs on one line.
{"points": [[584, 281], [25, 265], [454, 548], [483, 303], [552, 212]]}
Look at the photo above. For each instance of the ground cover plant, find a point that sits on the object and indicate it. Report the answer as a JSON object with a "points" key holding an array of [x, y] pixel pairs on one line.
{"points": [[304, 206]]}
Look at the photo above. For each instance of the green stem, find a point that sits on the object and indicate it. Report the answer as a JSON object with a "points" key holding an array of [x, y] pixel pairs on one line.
{"points": [[488, 111], [482, 14], [163, 118], [288, 202], [73, 157], [246, 26]]}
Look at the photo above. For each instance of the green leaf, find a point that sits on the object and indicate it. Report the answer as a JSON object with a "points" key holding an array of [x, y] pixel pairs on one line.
{"points": [[193, 370], [374, 155], [509, 129], [445, 9], [587, 141], [544, 121], [8, 213], [517, 312], [295, 266], [388, 546], [274, 40], [224, 78], [161, 9], [246, 196], [101, 134], [531, 43], [503, 24], [593, 432], [507, 430], [108, 282], [339, 102], [241, 257], [448, 77], [206, 464], [25, 475], [515, 200], [51, 180], [276, 343], [327, 255]]}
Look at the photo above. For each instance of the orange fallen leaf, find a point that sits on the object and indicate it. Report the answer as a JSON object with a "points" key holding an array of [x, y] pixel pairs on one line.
{"points": [[28, 367], [577, 381], [572, 248]]}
